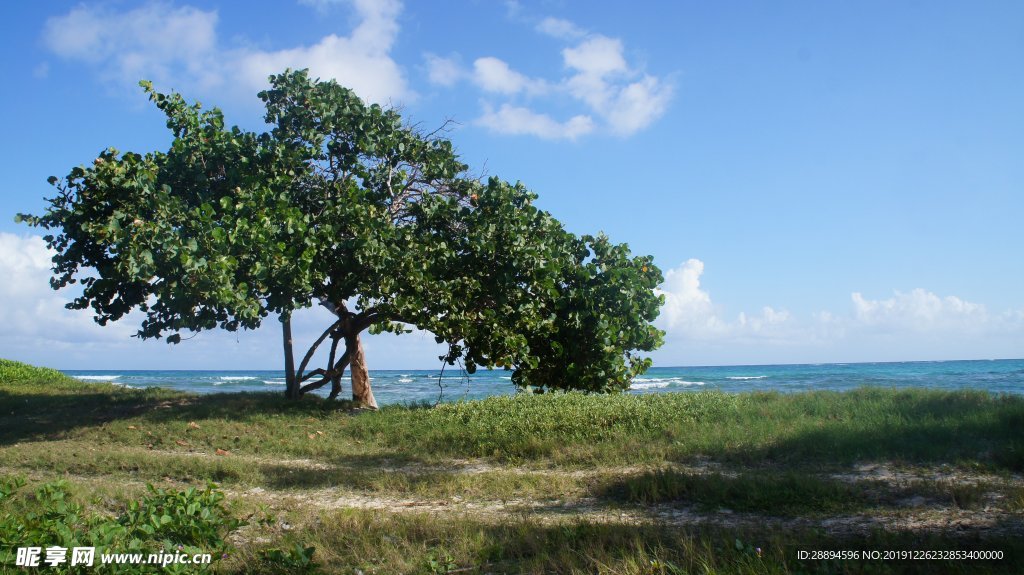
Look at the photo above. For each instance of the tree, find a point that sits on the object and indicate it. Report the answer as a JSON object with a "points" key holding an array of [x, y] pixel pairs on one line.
{"points": [[341, 205]]}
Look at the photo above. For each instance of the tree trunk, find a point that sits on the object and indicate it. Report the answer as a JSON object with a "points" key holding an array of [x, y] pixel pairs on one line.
{"points": [[291, 389], [336, 380], [361, 392]]}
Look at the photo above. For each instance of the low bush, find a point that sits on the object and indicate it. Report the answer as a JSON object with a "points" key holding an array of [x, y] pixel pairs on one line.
{"points": [[164, 522]]}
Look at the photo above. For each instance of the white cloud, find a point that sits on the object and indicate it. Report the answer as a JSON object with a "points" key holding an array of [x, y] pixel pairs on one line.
{"points": [[154, 41], [443, 71], [514, 120], [494, 75], [687, 306], [559, 28], [32, 313], [596, 56], [689, 313], [920, 310], [621, 97], [600, 66], [178, 47], [638, 105], [909, 325]]}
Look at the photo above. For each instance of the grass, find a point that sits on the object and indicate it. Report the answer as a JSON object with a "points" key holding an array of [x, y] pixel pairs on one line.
{"points": [[568, 429], [376, 543], [516, 483]]}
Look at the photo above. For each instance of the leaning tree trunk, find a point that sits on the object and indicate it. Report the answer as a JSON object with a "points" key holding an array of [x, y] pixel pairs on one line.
{"points": [[347, 327], [361, 391], [291, 390]]}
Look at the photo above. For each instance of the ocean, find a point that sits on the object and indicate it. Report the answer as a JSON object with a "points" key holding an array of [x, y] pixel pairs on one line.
{"points": [[415, 386]]}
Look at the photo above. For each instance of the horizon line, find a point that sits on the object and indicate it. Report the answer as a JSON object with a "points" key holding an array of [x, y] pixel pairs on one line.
{"points": [[652, 367]]}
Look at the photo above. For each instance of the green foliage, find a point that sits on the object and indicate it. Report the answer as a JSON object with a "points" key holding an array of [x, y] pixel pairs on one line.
{"points": [[15, 372], [601, 312], [294, 560], [440, 562], [341, 204], [191, 517], [189, 522]]}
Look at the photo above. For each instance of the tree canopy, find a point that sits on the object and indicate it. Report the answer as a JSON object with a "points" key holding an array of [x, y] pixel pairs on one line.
{"points": [[342, 205]]}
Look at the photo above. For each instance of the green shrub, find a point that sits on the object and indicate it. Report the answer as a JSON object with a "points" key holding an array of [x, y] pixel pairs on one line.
{"points": [[165, 521], [295, 560], [15, 372]]}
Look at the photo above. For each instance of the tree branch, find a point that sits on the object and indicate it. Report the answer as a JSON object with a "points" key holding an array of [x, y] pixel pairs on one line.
{"points": [[316, 344], [339, 368]]}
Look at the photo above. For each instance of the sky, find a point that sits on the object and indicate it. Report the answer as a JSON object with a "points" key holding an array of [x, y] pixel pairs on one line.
{"points": [[819, 181]]}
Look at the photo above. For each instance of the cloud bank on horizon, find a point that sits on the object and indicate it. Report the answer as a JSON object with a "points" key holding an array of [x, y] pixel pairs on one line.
{"points": [[923, 325], [926, 325]]}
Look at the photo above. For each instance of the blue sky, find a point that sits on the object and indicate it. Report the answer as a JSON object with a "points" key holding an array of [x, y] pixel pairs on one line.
{"points": [[820, 181]]}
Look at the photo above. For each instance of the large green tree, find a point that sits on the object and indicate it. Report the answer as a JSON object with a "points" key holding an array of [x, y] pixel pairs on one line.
{"points": [[342, 205]]}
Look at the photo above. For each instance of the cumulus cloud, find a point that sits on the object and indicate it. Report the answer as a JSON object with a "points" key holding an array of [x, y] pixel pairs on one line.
{"points": [[614, 95], [637, 105], [360, 61], [918, 324], [178, 47], [514, 120], [687, 306], [606, 84], [689, 313]]}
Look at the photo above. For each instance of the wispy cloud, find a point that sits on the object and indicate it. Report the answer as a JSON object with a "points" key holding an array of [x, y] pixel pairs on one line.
{"points": [[178, 47], [559, 28], [157, 41], [494, 75], [515, 120], [443, 71], [612, 95]]}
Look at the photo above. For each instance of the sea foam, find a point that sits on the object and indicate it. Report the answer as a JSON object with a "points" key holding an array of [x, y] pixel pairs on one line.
{"points": [[650, 385], [658, 382]]}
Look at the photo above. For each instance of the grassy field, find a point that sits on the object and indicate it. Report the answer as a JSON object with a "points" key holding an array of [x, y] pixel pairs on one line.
{"points": [[700, 482]]}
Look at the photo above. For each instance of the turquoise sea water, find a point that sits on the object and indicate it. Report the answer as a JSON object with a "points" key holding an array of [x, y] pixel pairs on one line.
{"points": [[403, 386]]}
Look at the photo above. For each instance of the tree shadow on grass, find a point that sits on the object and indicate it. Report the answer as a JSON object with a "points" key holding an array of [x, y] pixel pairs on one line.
{"points": [[782, 493], [517, 545], [359, 476], [991, 443], [27, 416], [926, 430]]}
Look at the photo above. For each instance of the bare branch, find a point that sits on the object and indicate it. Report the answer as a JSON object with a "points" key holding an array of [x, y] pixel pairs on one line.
{"points": [[327, 375], [316, 344]]}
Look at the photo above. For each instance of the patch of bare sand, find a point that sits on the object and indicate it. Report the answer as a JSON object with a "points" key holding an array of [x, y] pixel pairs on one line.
{"points": [[592, 510]]}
